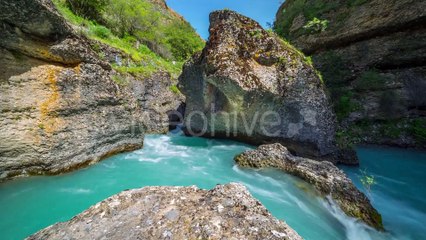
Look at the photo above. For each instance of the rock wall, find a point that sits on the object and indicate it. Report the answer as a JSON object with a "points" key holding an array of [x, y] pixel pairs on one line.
{"points": [[61, 107], [227, 211], [372, 55], [249, 85], [160, 106]]}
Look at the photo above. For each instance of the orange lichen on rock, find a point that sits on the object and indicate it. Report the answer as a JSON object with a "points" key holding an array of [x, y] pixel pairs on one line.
{"points": [[49, 122], [77, 69]]}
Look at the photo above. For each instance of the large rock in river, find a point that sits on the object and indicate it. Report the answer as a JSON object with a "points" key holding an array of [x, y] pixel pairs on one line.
{"points": [[324, 176], [226, 212], [249, 85]]}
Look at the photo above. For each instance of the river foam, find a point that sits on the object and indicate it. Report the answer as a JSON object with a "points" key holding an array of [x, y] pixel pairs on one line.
{"points": [[33, 203]]}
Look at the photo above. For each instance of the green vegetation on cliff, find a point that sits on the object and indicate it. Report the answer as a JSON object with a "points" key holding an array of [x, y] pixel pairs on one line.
{"points": [[312, 11], [382, 132], [161, 29], [367, 52], [418, 129], [316, 25], [152, 35]]}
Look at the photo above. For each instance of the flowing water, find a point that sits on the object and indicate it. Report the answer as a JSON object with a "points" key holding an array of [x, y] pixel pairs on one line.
{"points": [[29, 204]]}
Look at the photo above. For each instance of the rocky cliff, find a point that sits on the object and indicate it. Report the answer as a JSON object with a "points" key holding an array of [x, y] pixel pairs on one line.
{"points": [[249, 85], [60, 106], [372, 55], [226, 212]]}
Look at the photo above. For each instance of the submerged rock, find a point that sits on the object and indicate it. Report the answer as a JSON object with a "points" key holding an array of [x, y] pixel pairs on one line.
{"points": [[249, 85], [61, 107], [226, 212], [324, 176]]}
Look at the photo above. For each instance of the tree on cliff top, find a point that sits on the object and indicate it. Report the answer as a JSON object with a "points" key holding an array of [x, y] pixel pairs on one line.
{"points": [[91, 9], [159, 28]]}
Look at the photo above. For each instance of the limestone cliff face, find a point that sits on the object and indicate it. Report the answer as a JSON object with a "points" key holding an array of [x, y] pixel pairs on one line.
{"points": [[373, 58], [254, 87], [225, 212], [60, 108]]}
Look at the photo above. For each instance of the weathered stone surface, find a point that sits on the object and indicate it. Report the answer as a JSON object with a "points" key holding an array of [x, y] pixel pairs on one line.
{"points": [[324, 176], [349, 22], [35, 28], [226, 212], [373, 59], [55, 119], [157, 101], [60, 108], [247, 72]]}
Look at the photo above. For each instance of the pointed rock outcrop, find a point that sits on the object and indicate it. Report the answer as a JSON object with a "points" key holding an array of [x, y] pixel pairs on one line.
{"points": [[249, 85]]}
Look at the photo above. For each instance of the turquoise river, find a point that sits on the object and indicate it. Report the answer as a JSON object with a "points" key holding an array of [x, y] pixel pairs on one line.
{"points": [[30, 204]]}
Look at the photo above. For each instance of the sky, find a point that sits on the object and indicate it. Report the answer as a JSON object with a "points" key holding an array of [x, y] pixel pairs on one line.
{"points": [[197, 11]]}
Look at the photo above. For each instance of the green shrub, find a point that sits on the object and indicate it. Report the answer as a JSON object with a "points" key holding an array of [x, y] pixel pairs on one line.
{"points": [[182, 40], [367, 181], [164, 33], [100, 31], [131, 16], [418, 129], [354, 133], [333, 69], [256, 33], [308, 9], [345, 105], [370, 80], [174, 89], [391, 129], [91, 9], [120, 80], [316, 25], [343, 140], [309, 61]]}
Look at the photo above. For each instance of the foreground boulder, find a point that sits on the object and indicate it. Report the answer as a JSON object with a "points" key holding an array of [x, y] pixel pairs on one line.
{"points": [[324, 176], [249, 85], [226, 212], [373, 60], [60, 107]]}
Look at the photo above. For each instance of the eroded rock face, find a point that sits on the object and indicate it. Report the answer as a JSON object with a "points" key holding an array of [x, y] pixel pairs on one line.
{"points": [[269, 86], [227, 211], [373, 58], [55, 118], [158, 103], [324, 176], [34, 28], [60, 108]]}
